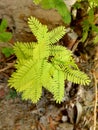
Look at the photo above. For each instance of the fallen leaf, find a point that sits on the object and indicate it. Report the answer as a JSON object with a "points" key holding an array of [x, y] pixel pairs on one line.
{"points": [[79, 112], [2, 93], [52, 123]]}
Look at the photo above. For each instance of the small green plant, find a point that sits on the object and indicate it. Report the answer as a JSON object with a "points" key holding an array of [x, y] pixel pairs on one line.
{"points": [[44, 64], [7, 51], [89, 26], [12, 94], [88, 23], [4, 36], [59, 5]]}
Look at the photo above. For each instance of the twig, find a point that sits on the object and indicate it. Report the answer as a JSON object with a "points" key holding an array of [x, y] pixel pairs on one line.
{"points": [[95, 104], [75, 46], [6, 68]]}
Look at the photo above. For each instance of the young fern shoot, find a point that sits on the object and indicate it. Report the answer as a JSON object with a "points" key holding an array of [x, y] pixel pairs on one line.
{"points": [[44, 64]]}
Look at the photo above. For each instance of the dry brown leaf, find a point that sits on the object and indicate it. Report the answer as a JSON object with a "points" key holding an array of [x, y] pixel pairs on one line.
{"points": [[42, 126], [2, 93], [79, 112], [70, 38], [58, 118], [52, 123]]}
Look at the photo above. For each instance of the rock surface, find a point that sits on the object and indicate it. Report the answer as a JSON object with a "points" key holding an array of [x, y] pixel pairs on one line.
{"points": [[17, 13]]}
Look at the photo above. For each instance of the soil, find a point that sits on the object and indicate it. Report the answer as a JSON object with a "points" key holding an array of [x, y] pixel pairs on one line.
{"points": [[77, 110]]}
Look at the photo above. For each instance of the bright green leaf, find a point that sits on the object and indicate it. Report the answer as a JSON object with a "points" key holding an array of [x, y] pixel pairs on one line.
{"points": [[3, 25], [7, 51], [5, 36]]}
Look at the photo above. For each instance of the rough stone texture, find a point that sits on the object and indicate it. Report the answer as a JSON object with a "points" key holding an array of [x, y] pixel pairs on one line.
{"points": [[17, 12]]}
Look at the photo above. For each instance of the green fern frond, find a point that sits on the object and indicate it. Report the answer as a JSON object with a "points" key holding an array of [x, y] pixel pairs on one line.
{"points": [[44, 64], [41, 51], [58, 89], [36, 27], [24, 50], [47, 76], [62, 53], [56, 34], [23, 75], [18, 51], [72, 73], [33, 93], [20, 63], [76, 76]]}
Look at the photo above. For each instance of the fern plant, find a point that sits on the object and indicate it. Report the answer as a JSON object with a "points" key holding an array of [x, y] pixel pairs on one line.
{"points": [[44, 64], [88, 24]]}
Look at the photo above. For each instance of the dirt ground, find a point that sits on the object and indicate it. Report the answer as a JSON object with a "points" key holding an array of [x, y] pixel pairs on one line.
{"points": [[77, 110]]}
